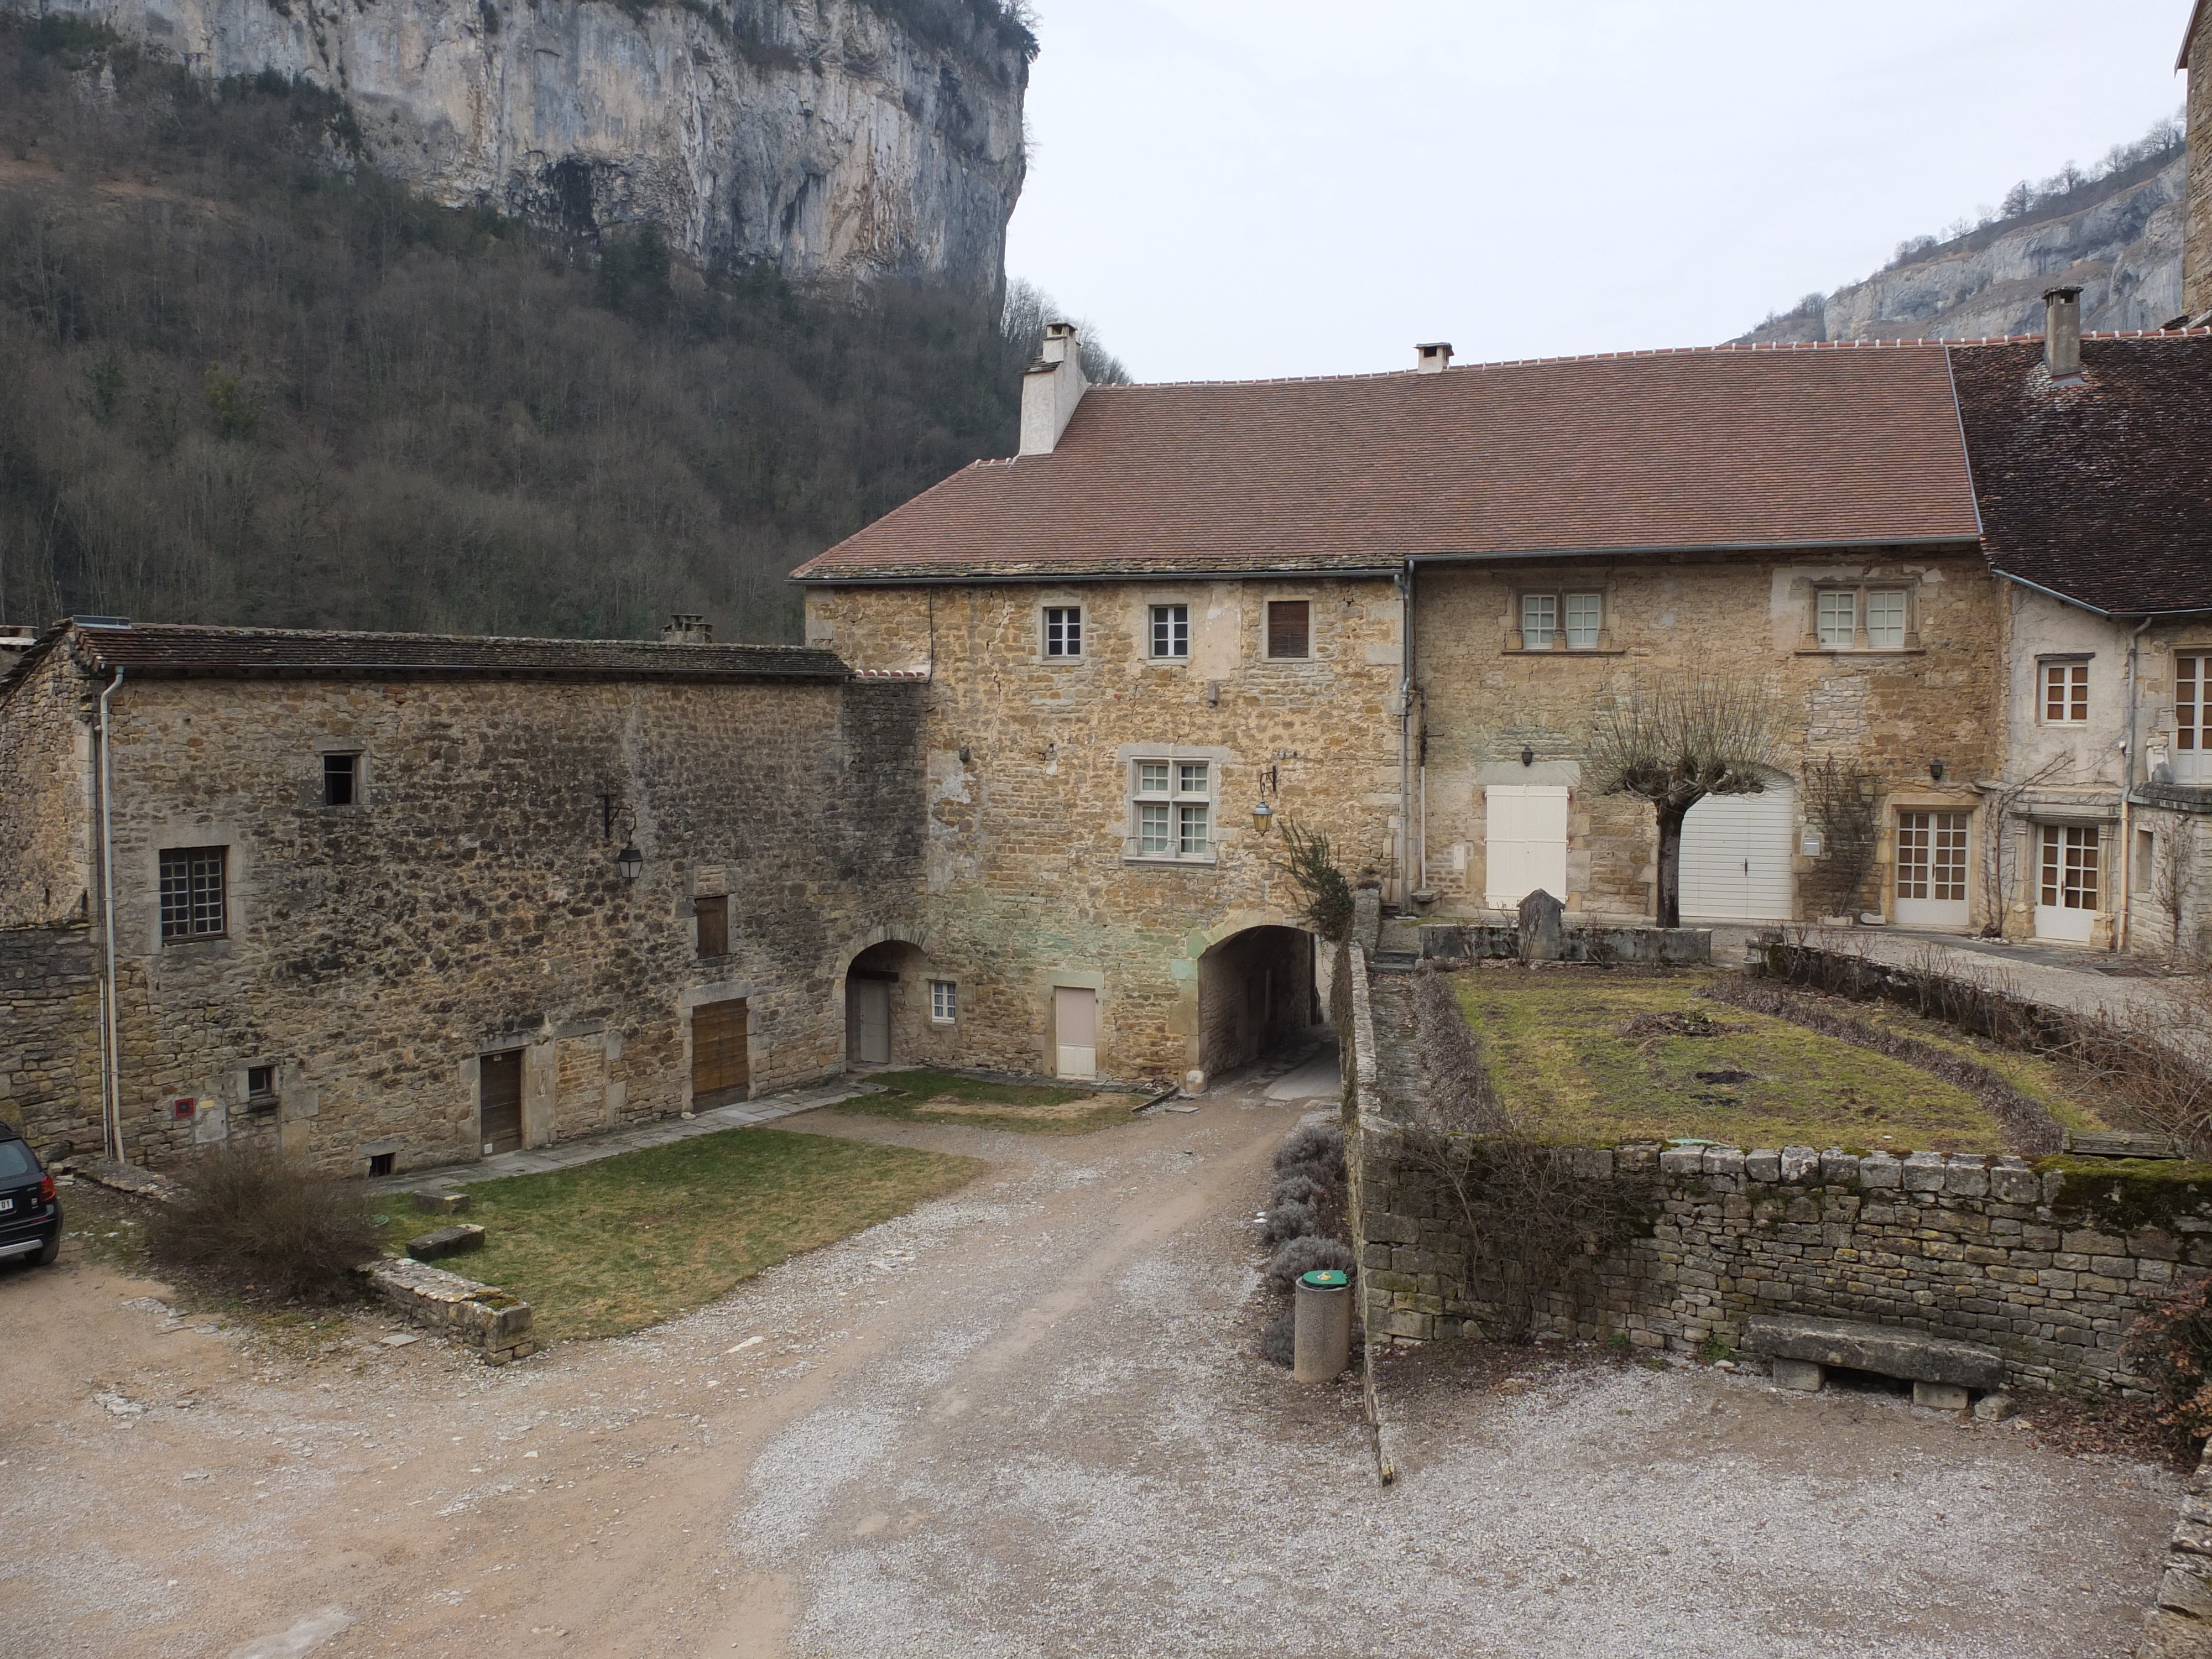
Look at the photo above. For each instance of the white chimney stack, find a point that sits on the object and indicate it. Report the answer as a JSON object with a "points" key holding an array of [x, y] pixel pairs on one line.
{"points": [[1051, 390], [2062, 333], [1433, 358]]}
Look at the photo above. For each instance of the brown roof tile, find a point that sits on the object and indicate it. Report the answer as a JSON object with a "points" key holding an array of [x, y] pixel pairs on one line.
{"points": [[2101, 491], [1709, 448]]}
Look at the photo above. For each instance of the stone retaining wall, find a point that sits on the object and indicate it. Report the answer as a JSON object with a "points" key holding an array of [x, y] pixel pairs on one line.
{"points": [[2180, 1626], [2048, 1264], [478, 1316]]}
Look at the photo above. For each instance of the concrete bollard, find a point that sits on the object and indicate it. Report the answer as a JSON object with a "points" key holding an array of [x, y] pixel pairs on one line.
{"points": [[1321, 1327]]}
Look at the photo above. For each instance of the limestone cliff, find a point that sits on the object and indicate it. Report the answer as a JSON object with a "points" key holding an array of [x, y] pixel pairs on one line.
{"points": [[2123, 249], [834, 138]]}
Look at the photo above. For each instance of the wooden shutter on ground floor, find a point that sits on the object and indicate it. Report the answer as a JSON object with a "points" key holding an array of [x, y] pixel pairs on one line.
{"points": [[721, 1068]]}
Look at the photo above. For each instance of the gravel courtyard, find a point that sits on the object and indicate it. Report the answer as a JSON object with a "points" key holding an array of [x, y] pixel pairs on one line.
{"points": [[1028, 1420]]}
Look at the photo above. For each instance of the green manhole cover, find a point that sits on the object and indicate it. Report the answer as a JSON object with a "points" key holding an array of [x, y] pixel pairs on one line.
{"points": [[1324, 1279]]}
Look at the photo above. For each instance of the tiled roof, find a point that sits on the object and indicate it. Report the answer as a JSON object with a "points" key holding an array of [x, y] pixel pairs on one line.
{"points": [[1701, 449], [2101, 491], [162, 650]]}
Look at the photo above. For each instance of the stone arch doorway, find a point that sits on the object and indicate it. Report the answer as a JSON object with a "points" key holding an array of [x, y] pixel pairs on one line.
{"points": [[1255, 994], [900, 1008]]}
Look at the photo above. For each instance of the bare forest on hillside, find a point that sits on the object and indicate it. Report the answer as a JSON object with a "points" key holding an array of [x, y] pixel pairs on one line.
{"points": [[244, 379]]}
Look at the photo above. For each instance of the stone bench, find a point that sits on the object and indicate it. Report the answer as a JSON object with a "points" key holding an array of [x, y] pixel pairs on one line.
{"points": [[1941, 1371]]}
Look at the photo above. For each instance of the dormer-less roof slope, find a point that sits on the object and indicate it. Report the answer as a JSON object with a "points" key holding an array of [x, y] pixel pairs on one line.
{"points": [[1704, 449], [2101, 491], [173, 651]]}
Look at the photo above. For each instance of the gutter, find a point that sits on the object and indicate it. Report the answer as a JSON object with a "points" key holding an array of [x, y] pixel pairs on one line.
{"points": [[2148, 617], [111, 1064], [1271, 573]]}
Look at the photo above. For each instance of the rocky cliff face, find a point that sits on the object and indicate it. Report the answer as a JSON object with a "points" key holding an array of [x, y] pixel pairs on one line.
{"points": [[835, 138], [2124, 251]]}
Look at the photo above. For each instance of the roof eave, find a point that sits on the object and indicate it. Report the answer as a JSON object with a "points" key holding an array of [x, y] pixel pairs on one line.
{"points": [[969, 578], [1963, 540], [2146, 614]]}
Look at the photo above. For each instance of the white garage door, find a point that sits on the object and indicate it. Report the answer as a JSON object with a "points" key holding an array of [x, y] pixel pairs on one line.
{"points": [[1735, 857], [1524, 842]]}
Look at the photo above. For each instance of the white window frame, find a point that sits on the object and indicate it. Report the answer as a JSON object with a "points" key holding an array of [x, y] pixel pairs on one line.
{"points": [[1558, 629], [1171, 797], [1059, 616], [1167, 632], [2191, 756], [944, 1001], [1904, 614], [1858, 631], [1826, 630], [2072, 675]]}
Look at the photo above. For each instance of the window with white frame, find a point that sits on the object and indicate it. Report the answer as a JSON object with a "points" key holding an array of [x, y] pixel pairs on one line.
{"points": [[1836, 618], [1885, 614], [1063, 630], [1885, 619], [1171, 630], [1171, 808], [2192, 717], [944, 1001], [2065, 693], [1549, 621]]}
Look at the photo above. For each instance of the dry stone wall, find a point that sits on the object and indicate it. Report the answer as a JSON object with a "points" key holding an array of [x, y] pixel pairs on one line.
{"points": [[50, 1035]]}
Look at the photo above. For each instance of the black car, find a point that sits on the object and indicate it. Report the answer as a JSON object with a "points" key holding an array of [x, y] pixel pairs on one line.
{"points": [[30, 1213]]}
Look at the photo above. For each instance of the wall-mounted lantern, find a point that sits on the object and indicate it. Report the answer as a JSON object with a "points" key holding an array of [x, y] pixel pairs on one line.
{"points": [[1527, 756], [1936, 770], [630, 861], [1263, 818]]}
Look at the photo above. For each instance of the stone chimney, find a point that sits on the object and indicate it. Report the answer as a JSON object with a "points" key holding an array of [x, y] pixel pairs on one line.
{"points": [[2062, 333], [1434, 358], [684, 629], [1051, 390]]}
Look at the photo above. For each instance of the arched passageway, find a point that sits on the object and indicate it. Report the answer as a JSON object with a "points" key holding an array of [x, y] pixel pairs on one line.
{"points": [[900, 1010], [1255, 994]]}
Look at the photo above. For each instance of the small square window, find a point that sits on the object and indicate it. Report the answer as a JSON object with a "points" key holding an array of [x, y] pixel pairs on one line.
{"points": [[1153, 821], [341, 780], [1585, 620], [1152, 777], [1539, 621], [944, 1000], [1191, 823], [1836, 618], [713, 912], [261, 1082], [1063, 630], [1884, 619], [2065, 693], [1190, 777], [1290, 627], [380, 1165], [1171, 630], [194, 899]]}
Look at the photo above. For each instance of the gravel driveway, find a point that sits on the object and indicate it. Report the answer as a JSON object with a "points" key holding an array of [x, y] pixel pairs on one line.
{"points": [[1025, 1420]]}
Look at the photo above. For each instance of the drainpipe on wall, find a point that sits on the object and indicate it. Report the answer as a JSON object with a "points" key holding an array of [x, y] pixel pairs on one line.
{"points": [[1404, 582], [2124, 935], [111, 1068]]}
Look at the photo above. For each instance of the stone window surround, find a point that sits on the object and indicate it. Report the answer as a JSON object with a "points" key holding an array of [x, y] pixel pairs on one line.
{"points": [[1155, 601], [1127, 756], [1083, 621], [359, 751], [1270, 594], [1859, 587], [1927, 799], [1560, 587], [139, 884], [953, 980]]}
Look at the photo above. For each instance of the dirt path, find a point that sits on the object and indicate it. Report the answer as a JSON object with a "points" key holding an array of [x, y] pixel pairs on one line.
{"points": [[1025, 1420]]}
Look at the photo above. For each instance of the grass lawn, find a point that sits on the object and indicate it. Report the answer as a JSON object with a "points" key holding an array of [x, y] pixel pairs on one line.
{"points": [[1559, 1056], [926, 1096], [626, 1241]]}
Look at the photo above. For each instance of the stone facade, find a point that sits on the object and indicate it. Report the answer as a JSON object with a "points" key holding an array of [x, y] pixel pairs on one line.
{"points": [[468, 903], [2030, 1261], [50, 1034], [2197, 246], [1035, 881], [1485, 700]]}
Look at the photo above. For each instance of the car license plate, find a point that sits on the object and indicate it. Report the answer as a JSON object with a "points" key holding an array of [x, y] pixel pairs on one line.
{"points": [[7, 1203]]}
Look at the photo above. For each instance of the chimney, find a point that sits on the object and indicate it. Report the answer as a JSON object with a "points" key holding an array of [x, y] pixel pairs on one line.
{"points": [[1051, 390], [2061, 334], [1434, 358], [684, 628]]}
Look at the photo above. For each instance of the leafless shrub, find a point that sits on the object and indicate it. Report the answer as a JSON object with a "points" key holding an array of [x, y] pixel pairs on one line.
{"points": [[2171, 1345], [257, 1220], [1842, 800], [1314, 1149], [1287, 1221], [1295, 1190], [1305, 1255], [2027, 1125], [1279, 1342]]}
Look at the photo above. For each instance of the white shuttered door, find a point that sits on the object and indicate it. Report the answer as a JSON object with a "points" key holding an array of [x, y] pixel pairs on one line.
{"points": [[1525, 843], [1735, 857]]}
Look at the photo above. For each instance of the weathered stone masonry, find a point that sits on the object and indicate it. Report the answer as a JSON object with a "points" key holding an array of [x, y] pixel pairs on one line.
{"points": [[1988, 1250], [50, 1033]]}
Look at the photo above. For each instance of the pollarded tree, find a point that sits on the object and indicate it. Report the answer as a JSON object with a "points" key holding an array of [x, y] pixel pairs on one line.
{"points": [[1675, 744]]}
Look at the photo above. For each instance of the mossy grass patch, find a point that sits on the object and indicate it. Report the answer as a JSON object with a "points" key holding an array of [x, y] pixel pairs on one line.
{"points": [[626, 1241], [1594, 1057], [923, 1096], [2126, 1194]]}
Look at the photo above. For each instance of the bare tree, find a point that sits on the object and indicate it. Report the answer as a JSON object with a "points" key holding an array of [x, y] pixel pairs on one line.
{"points": [[1842, 798], [1994, 882], [2169, 888], [1675, 744]]}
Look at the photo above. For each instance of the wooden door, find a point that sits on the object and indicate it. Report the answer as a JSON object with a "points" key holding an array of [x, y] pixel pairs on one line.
{"points": [[722, 1064], [1075, 1031], [868, 1022], [498, 1102]]}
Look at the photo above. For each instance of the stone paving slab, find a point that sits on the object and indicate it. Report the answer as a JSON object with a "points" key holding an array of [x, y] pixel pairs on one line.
{"points": [[659, 1131]]}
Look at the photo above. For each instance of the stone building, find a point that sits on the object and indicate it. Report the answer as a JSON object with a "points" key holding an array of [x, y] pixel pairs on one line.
{"points": [[399, 899], [2197, 235], [2088, 459]]}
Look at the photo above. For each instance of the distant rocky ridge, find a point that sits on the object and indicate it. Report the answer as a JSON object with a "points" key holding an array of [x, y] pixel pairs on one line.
{"points": [[2122, 248], [831, 138]]}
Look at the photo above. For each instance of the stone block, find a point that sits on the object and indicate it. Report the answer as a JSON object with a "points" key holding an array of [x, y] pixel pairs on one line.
{"points": [[1394, 1229], [1878, 1172], [1836, 1165], [456, 1240], [1801, 1374], [1939, 1397], [1967, 1177], [1922, 1172], [2188, 1592], [1723, 1161], [441, 1203], [1763, 1164], [1683, 1160], [1800, 1163], [1889, 1350], [2093, 1243]]}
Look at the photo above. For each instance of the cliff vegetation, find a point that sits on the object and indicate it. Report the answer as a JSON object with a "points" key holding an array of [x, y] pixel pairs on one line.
{"points": [[245, 378]]}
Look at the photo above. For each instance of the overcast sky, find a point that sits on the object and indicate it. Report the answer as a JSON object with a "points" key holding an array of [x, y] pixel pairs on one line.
{"points": [[1237, 188]]}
